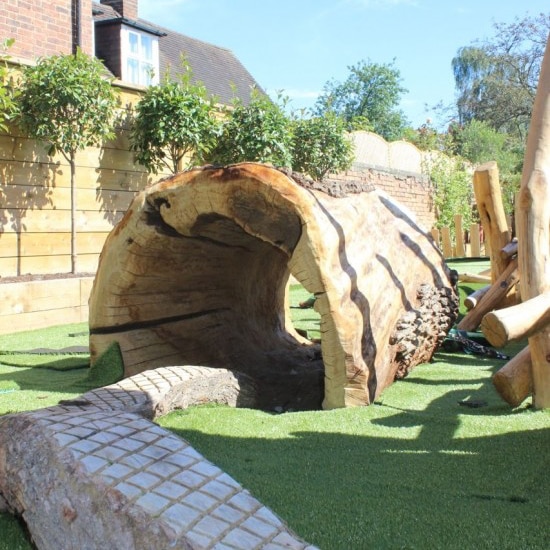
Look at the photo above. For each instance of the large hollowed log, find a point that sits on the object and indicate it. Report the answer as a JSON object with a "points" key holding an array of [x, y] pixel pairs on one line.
{"points": [[197, 273]]}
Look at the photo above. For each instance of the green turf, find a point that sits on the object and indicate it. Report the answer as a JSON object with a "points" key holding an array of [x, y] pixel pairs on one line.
{"points": [[35, 380], [469, 265], [417, 469], [107, 369], [12, 534], [55, 337], [305, 319]]}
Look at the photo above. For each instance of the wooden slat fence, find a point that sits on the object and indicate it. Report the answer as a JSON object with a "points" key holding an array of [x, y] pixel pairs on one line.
{"points": [[465, 244], [35, 221]]}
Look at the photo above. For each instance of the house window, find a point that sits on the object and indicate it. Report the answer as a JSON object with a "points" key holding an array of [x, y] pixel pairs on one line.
{"points": [[140, 56]]}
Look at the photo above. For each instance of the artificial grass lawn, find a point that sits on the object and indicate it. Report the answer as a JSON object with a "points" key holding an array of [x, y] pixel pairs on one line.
{"points": [[417, 469], [34, 380], [414, 470], [49, 374]]}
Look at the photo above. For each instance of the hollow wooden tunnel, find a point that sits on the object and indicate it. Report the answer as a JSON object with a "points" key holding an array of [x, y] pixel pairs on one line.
{"points": [[197, 273]]}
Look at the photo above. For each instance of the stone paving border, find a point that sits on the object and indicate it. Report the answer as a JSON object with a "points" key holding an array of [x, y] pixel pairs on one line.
{"points": [[96, 473]]}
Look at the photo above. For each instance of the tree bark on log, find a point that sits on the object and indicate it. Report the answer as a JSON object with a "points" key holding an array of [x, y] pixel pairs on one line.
{"points": [[197, 270]]}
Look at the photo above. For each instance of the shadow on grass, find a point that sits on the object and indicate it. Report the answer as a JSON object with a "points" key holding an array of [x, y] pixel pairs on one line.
{"points": [[41, 362], [68, 374], [410, 479], [439, 461], [44, 378]]}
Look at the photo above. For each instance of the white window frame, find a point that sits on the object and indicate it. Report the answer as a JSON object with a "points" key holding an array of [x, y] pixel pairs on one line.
{"points": [[127, 55]]}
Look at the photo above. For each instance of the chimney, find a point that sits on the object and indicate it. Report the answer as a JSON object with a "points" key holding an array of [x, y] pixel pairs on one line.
{"points": [[126, 8]]}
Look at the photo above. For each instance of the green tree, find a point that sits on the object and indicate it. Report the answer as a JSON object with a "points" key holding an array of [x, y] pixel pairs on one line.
{"points": [[453, 191], [427, 138], [173, 121], [8, 94], [496, 79], [259, 131], [367, 99], [478, 142], [320, 145], [66, 102]]}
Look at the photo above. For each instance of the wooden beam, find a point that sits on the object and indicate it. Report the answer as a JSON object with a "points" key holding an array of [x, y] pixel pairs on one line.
{"points": [[514, 381], [491, 211], [494, 295], [474, 278], [514, 323], [473, 299], [533, 227]]}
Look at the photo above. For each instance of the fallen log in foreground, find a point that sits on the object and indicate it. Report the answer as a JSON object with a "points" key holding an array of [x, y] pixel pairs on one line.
{"points": [[197, 271]]}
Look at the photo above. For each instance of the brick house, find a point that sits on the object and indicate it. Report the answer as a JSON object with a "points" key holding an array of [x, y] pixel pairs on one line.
{"points": [[46, 27], [35, 204], [135, 51]]}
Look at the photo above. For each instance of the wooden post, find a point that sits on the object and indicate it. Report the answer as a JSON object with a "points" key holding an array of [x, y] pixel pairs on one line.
{"points": [[435, 236], [513, 381], [491, 211], [533, 227], [517, 322], [446, 242], [475, 240], [475, 297], [459, 233]]}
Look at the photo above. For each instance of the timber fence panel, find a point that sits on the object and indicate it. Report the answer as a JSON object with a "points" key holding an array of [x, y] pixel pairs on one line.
{"points": [[472, 247]]}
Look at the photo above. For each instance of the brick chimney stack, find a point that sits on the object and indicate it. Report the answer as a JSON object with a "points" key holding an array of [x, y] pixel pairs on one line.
{"points": [[126, 8]]}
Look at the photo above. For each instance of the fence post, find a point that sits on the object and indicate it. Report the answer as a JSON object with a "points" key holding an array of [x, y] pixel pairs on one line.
{"points": [[459, 237], [475, 240], [446, 242], [435, 236]]}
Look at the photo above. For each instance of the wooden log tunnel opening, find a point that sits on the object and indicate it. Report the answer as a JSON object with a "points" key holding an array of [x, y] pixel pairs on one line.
{"points": [[197, 273]]}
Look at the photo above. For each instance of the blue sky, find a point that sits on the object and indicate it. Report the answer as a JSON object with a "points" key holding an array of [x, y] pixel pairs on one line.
{"points": [[296, 46]]}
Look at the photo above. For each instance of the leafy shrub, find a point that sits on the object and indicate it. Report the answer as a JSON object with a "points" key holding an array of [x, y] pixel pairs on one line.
{"points": [[320, 145], [173, 120], [259, 131]]}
